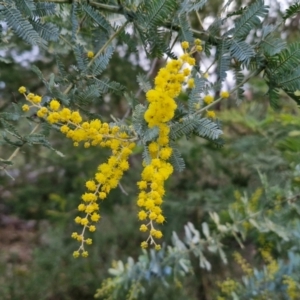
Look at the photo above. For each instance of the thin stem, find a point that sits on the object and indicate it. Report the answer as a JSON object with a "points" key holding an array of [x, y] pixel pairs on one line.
{"points": [[110, 8], [17, 150], [213, 62], [199, 19], [65, 40], [107, 43], [122, 189], [231, 91]]}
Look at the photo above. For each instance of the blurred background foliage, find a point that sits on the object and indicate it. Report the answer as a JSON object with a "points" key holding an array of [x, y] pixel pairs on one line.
{"points": [[37, 208]]}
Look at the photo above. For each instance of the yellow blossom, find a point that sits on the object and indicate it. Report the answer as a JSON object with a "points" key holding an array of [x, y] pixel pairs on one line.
{"points": [[157, 247], [199, 48], [89, 241], [191, 83], [185, 45], [54, 105], [144, 245], [90, 54], [76, 254], [25, 107], [22, 89], [91, 185], [143, 228], [211, 114], [208, 99], [197, 42], [84, 254], [224, 94], [92, 228]]}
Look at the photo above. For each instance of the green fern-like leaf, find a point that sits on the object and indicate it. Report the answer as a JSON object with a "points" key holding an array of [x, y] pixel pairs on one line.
{"points": [[208, 129], [223, 59], [10, 128], [44, 9], [271, 45], [290, 81], [273, 94], [250, 19], [56, 93], [88, 95], [154, 13], [104, 85], [61, 68], [242, 51], [101, 62], [26, 6], [185, 33], [96, 17], [81, 58], [138, 121], [239, 77], [38, 72], [21, 26], [9, 116], [146, 155], [292, 11], [15, 143], [237, 12], [184, 127], [74, 20], [176, 159], [194, 97], [48, 31], [187, 7], [286, 60], [143, 82], [150, 134]]}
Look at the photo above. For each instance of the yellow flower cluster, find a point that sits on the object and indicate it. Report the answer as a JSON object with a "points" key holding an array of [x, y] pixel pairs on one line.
{"points": [[243, 263], [224, 94], [228, 286], [254, 200], [92, 133], [272, 265], [90, 54], [208, 99], [292, 287], [161, 109]]}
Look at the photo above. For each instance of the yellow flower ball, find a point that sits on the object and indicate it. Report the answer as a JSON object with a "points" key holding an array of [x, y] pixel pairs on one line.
{"points": [[76, 254], [22, 89], [224, 94], [208, 99], [90, 54], [144, 245], [211, 114], [25, 107], [143, 228], [197, 42], [185, 45], [157, 247], [54, 105], [84, 254]]}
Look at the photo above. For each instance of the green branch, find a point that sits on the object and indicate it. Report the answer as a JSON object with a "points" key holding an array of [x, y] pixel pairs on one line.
{"points": [[231, 91], [109, 8], [120, 10], [17, 150]]}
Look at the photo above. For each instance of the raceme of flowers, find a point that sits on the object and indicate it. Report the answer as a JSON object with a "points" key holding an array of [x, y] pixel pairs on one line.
{"points": [[160, 111], [93, 133]]}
